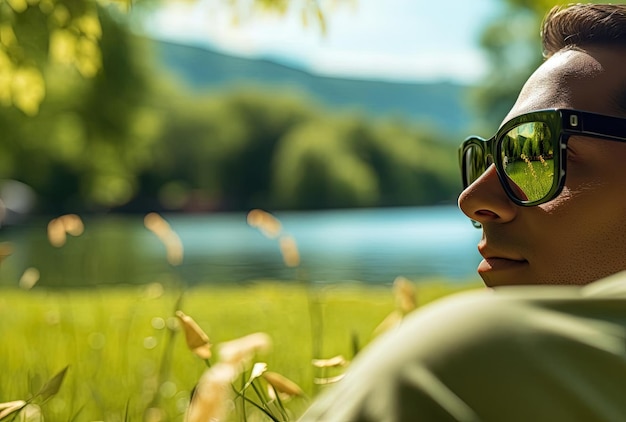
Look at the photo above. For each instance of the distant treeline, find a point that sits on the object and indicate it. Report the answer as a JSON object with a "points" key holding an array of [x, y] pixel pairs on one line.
{"points": [[134, 139], [247, 149]]}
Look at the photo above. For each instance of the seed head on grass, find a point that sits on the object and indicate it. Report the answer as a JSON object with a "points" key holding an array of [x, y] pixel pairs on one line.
{"points": [[335, 361], [328, 380], [283, 385], [56, 233], [197, 340], [72, 224], [265, 222], [289, 251], [390, 322], [6, 250], [241, 351], [29, 278], [325, 364], [60, 227], [405, 295], [31, 413], [10, 407], [161, 228], [210, 401]]}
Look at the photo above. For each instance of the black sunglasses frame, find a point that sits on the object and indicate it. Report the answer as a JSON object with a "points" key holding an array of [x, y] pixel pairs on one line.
{"points": [[562, 123]]}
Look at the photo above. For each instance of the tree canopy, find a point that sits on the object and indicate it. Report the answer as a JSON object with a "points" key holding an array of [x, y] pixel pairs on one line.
{"points": [[91, 124]]}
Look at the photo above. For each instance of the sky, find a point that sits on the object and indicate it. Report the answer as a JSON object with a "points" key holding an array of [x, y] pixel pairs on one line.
{"points": [[401, 40]]}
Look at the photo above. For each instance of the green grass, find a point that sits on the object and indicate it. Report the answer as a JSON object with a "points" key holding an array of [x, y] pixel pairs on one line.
{"points": [[535, 180], [115, 340]]}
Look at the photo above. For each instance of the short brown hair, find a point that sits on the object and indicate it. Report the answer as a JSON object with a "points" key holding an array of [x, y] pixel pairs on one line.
{"points": [[583, 24], [578, 25]]}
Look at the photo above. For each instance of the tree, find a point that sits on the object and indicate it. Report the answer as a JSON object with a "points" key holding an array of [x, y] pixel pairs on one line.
{"points": [[34, 33], [77, 122]]}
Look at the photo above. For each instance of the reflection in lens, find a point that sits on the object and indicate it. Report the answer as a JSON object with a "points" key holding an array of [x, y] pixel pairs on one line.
{"points": [[527, 155], [474, 163]]}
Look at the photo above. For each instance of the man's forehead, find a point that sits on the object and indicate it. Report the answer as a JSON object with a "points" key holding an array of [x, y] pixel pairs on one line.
{"points": [[569, 79]]}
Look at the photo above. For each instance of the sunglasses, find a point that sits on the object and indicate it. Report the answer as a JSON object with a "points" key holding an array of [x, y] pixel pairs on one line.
{"points": [[530, 151]]}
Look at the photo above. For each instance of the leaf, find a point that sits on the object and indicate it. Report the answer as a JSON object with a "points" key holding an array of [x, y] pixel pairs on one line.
{"points": [[28, 89], [52, 386]]}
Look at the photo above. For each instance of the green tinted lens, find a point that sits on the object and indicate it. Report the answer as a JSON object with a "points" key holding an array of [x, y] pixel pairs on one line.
{"points": [[527, 157], [474, 163]]}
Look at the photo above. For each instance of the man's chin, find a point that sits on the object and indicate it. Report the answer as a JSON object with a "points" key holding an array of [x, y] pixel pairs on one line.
{"points": [[505, 272]]}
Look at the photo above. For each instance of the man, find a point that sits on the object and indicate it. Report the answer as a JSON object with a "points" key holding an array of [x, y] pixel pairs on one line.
{"points": [[579, 235], [549, 191]]}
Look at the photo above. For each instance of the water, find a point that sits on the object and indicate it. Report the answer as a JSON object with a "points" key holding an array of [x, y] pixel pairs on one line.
{"points": [[373, 246]]}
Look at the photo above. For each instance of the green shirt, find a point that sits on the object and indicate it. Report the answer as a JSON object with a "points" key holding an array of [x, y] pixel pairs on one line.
{"points": [[516, 353]]}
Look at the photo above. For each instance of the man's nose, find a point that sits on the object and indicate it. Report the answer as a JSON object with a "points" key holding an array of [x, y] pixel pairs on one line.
{"points": [[485, 200]]}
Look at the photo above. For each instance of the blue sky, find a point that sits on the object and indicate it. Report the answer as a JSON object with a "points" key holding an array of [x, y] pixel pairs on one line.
{"points": [[409, 40]]}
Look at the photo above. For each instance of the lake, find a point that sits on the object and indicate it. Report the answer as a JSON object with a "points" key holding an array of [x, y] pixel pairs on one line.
{"points": [[367, 245]]}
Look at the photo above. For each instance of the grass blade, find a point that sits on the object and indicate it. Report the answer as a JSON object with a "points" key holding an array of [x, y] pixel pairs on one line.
{"points": [[52, 386]]}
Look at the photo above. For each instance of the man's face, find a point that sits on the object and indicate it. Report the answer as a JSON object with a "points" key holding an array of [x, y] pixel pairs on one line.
{"points": [[580, 236]]}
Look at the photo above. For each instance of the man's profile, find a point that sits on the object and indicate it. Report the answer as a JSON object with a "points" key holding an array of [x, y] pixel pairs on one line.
{"points": [[548, 192]]}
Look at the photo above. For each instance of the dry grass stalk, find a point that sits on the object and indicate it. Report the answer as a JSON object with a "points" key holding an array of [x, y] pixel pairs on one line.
{"points": [[335, 361], [289, 250], [390, 322], [56, 233], [283, 384], [10, 407], [60, 227], [155, 223], [242, 350], [197, 340], [405, 294], [6, 249], [72, 224], [265, 222], [324, 364], [406, 301], [29, 278], [161, 228], [329, 380], [31, 413], [213, 393]]}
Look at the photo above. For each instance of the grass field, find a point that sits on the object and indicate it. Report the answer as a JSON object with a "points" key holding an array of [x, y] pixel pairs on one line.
{"points": [[534, 178], [126, 354]]}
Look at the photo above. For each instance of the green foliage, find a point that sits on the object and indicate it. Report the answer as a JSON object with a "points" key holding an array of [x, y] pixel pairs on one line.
{"points": [[98, 127], [90, 137], [349, 161]]}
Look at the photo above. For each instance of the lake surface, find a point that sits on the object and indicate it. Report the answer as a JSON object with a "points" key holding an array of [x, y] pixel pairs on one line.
{"points": [[368, 245]]}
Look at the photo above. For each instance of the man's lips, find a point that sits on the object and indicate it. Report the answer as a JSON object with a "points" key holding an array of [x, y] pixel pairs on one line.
{"points": [[494, 261], [497, 264]]}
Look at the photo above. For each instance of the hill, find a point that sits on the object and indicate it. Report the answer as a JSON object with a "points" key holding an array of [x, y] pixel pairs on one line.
{"points": [[441, 105]]}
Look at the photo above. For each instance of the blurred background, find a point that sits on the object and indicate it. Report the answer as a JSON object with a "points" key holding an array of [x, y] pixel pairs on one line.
{"points": [[340, 117]]}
